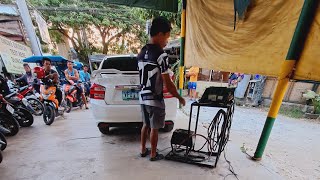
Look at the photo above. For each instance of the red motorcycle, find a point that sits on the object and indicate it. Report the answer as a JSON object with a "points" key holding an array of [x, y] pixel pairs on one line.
{"points": [[32, 97], [73, 99]]}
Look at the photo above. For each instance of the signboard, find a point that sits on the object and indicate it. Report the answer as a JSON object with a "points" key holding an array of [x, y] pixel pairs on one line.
{"points": [[43, 28], [12, 53]]}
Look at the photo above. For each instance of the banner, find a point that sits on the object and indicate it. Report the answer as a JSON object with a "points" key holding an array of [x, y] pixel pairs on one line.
{"points": [[43, 28], [12, 53], [251, 38]]}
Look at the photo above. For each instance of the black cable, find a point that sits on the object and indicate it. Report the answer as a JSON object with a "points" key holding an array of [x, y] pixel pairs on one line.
{"points": [[216, 141], [230, 166]]}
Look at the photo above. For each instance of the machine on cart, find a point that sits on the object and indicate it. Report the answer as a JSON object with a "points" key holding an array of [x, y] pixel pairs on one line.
{"points": [[183, 142]]}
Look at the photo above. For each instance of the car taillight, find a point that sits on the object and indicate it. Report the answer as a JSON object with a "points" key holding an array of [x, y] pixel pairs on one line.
{"points": [[97, 91]]}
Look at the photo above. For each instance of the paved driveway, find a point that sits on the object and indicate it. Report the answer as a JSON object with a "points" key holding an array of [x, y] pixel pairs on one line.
{"points": [[73, 148]]}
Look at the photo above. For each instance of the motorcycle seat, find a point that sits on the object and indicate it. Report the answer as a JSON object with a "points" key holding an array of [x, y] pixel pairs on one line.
{"points": [[10, 95], [23, 88]]}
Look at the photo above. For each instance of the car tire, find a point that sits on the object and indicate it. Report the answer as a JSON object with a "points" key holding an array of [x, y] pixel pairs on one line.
{"points": [[104, 129], [168, 127]]}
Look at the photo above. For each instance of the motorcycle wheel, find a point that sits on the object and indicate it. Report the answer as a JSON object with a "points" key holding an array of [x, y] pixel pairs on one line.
{"points": [[1, 158], [68, 106], [36, 105], [3, 138], [25, 117], [48, 115], [9, 122]]}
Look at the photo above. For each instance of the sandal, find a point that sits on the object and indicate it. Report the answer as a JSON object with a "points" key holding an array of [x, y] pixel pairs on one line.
{"points": [[145, 153], [157, 157]]}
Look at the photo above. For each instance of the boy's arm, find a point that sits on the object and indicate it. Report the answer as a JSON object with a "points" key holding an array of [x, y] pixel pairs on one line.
{"points": [[172, 88]]}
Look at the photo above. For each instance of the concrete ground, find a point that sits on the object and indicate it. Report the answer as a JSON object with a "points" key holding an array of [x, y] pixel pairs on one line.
{"points": [[73, 148]]}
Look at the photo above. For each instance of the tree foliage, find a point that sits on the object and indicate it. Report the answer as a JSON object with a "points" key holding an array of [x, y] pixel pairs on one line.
{"points": [[110, 29], [174, 18], [114, 30]]}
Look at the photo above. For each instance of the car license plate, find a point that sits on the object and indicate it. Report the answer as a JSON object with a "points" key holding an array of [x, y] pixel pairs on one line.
{"points": [[130, 95], [10, 109]]}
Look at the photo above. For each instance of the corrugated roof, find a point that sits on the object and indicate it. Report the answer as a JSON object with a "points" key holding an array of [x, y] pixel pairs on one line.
{"points": [[10, 10]]}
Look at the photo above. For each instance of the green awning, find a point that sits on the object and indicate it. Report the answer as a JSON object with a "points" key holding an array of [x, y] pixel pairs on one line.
{"points": [[162, 5]]}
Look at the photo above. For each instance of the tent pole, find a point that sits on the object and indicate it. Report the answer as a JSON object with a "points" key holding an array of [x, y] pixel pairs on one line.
{"points": [[287, 70], [182, 46]]}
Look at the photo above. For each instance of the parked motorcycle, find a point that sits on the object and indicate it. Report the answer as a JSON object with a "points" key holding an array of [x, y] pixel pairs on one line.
{"points": [[87, 86], [51, 104], [3, 131], [71, 96], [18, 100], [7, 119], [32, 97], [1, 144], [20, 112]]}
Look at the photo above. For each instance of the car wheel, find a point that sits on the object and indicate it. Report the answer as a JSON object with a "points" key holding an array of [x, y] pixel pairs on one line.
{"points": [[168, 127], [104, 128]]}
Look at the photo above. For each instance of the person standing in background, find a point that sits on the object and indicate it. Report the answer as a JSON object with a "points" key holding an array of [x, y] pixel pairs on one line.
{"points": [[85, 78], [192, 85], [234, 79]]}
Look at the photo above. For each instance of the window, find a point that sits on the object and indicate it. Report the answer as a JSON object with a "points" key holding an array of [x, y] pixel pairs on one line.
{"points": [[126, 63]]}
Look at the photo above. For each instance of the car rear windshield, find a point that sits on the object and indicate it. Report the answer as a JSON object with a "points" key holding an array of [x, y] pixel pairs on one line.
{"points": [[121, 63]]}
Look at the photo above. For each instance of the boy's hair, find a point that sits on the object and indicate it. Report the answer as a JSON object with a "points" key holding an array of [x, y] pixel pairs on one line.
{"points": [[26, 65], [46, 59], [160, 25], [85, 66]]}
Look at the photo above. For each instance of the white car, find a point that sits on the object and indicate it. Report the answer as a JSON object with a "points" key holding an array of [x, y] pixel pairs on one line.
{"points": [[115, 95]]}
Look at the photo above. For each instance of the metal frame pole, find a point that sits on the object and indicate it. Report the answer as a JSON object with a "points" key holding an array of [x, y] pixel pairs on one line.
{"points": [[182, 45], [287, 70], [26, 19]]}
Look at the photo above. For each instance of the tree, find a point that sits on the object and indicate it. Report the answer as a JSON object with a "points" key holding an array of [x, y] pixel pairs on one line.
{"points": [[104, 29], [174, 18]]}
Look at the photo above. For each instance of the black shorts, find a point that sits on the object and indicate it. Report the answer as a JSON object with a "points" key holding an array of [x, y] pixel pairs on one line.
{"points": [[153, 117]]}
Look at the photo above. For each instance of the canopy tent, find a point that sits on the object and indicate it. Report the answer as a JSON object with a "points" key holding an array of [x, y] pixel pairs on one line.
{"points": [[267, 37], [258, 44], [39, 59], [162, 5]]}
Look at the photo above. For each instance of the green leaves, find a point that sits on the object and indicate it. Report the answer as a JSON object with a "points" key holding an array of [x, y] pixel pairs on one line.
{"points": [[110, 28]]}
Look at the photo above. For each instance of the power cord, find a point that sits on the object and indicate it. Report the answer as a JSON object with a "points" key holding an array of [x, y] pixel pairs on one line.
{"points": [[231, 169], [216, 137], [216, 141]]}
